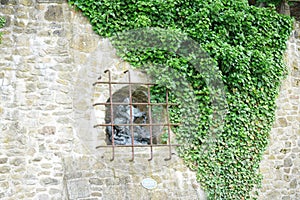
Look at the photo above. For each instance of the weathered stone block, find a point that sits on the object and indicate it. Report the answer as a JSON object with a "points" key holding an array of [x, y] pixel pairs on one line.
{"points": [[4, 185], [9, 2], [73, 175], [17, 161], [294, 183], [3, 160], [46, 165], [49, 181], [30, 179], [50, 1], [286, 198], [7, 11], [43, 197], [54, 13], [26, 2], [63, 98], [282, 122], [47, 130], [84, 43], [288, 162], [53, 191], [96, 181], [78, 189], [4, 169]]}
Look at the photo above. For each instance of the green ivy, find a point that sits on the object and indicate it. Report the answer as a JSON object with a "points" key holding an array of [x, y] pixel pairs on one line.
{"points": [[2, 24], [247, 45]]}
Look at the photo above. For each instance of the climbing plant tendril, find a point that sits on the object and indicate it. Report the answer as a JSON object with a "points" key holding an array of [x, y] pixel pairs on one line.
{"points": [[246, 43]]}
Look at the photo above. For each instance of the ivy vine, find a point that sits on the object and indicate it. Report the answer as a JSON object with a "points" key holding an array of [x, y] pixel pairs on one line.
{"points": [[246, 43], [2, 24]]}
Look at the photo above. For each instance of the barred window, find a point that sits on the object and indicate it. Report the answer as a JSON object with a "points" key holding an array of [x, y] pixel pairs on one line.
{"points": [[132, 120]]}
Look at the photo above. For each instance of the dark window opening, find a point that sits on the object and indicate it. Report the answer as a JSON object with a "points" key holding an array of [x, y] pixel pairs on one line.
{"points": [[122, 118]]}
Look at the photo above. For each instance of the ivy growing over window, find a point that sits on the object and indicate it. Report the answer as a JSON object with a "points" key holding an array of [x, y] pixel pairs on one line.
{"points": [[247, 43]]}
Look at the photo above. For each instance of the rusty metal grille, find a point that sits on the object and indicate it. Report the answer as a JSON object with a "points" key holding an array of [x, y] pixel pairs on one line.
{"points": [[150, 123]]}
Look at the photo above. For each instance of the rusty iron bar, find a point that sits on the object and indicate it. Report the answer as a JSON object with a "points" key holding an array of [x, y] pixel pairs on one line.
{"points": [[130, 116], [166, 124], [111, 115], [145, 104], [114, 83], [169, 127], [139, 145], [150, 122]]}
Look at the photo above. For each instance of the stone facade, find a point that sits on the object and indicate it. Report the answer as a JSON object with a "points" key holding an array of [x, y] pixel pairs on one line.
{"points": [[49, 59], [281, 162]]}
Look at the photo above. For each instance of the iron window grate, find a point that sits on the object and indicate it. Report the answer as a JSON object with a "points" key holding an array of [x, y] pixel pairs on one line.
{"points": [[131, 125]]}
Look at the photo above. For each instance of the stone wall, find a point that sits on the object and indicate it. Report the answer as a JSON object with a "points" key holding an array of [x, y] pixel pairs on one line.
{"points": [[49, 59], [295, 9], [281, 162]]}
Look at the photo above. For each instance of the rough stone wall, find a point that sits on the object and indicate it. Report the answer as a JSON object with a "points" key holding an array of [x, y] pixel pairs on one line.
{"points": [[281, 162], [49, 59]]}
